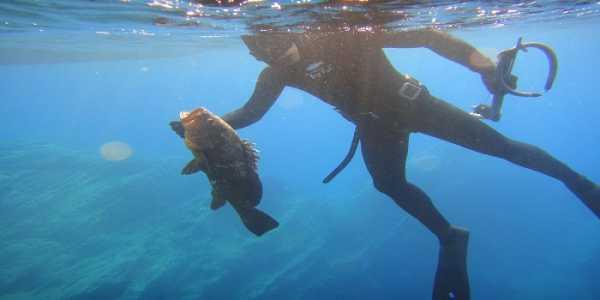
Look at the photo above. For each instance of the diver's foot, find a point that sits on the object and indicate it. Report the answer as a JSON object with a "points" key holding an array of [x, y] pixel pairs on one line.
{"points": [[451, 278], [588, 192]]}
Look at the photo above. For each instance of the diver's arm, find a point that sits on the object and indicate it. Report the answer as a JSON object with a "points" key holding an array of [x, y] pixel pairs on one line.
{"points": [[441, 43], [268, 88]]}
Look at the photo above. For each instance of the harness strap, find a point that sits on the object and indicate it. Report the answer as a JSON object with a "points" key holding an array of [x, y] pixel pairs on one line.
{"points": [[347, 159], [410, 90]]}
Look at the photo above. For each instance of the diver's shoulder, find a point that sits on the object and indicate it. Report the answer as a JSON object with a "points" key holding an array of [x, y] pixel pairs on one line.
{"points": [[276, 75]]}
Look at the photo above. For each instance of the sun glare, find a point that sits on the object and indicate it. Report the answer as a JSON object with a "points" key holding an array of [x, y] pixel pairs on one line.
{"points": [[115, 151]]}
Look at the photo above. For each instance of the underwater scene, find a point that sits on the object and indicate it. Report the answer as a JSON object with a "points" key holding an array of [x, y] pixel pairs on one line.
{"points": [[99, 107]]}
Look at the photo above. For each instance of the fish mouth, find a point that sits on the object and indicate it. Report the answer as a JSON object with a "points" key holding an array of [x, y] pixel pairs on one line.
{"points": [[183, 115]]}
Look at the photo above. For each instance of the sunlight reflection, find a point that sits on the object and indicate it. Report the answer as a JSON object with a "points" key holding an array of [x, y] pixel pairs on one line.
{"points": [[115, 151]]}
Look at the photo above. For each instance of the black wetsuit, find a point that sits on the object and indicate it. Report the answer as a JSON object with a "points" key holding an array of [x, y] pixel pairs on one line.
{"points": [[350, 71]]}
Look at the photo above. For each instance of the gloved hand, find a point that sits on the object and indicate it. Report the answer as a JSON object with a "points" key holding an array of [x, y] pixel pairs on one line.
{"points": [[494, 85]]}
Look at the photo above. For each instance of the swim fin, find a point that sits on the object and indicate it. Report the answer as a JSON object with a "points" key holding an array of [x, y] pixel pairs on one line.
{"points": [[451, 278], [255, 220]]}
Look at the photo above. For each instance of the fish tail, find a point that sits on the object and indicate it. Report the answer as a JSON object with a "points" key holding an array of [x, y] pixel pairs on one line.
{"points": [[255, 220]]}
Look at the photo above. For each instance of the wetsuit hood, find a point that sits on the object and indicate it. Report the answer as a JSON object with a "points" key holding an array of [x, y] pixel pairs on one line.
{"points": [[269, 47]]}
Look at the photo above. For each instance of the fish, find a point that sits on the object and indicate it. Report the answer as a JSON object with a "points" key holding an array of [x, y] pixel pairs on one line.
{"points": [[229, 162]]}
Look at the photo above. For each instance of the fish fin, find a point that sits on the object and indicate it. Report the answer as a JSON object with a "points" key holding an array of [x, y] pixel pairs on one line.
{"points": [[251, 153], [217, 201], [178, 128], [255, 220], [193, 166]]}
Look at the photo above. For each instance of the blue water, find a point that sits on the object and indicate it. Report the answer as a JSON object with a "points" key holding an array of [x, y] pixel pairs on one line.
{"points": [[74, 225]]}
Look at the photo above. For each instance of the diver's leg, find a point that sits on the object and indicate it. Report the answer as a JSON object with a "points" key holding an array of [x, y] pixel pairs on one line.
{"points": [[449, 123], [384, 154]]}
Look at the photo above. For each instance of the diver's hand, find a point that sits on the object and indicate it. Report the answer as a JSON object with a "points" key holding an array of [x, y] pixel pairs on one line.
{"points": [[178, 128], [494, 85]]}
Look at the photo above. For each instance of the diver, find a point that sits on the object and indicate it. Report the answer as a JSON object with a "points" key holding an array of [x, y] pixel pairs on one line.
{"points": [[349, 70]]}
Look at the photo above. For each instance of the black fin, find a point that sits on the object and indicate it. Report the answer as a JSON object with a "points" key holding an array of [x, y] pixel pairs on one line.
{"points": [[193, 166], [255, 220], [347, 159], [178, 128], [451, 277], [251, 153]]}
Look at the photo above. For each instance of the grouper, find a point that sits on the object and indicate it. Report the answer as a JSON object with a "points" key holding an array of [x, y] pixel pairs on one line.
{"points": [[230, 164]]}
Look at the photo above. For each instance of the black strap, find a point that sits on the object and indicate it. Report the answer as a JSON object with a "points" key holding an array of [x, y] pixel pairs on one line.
{"points": [[347, 159]]}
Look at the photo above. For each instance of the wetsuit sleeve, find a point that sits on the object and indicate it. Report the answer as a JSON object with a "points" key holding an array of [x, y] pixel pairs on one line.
{"points": [[441, 43], [268, 88]]}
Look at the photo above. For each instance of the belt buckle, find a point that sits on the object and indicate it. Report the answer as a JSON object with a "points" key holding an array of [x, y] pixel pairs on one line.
{"points": [[410, 90]]}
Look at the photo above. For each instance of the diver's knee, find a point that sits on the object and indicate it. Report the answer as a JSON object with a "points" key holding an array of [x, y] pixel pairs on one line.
{"points": [[389, 187], [382, 185]]}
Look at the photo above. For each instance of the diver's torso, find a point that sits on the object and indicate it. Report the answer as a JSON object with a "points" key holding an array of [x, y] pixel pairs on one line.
{"points": [[353, 76]]}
